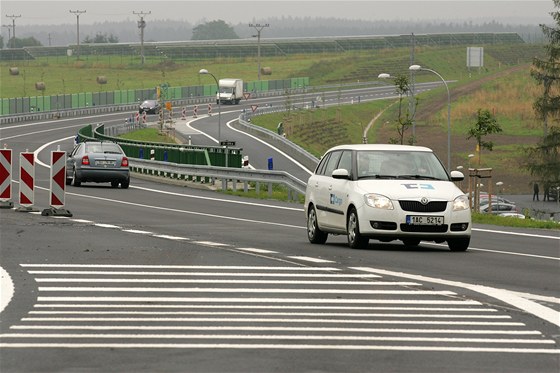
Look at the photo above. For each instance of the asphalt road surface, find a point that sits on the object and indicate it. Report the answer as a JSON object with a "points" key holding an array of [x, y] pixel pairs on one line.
{"points": [[168, 278]]}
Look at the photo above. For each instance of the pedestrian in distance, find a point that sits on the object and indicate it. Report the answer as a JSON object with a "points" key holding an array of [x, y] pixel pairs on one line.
{"points": [[536, 192]]}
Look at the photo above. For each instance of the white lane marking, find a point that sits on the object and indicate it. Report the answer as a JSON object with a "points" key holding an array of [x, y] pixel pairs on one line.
{"points": [[270, 320], [310, 259], [176, 238], [41, 131], [258, 300], [6, 289], [96, 117], [82, 221], [241, 290], [112, 226], [258, 251], [40, 149], [210, 243], [136, 231], [541, 298], [506, 296], [499, 251], [162, 266], [281, 328], [152, 207], [517, 233], [518, 254], [280, 337], [223, 281], [275, 307], [216, 199], [205, 274], [252, 313], [270, 146], [274, 346]]}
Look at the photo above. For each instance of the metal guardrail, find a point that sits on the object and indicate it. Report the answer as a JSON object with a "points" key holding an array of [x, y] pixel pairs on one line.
{"points": [[209, 174], [296, 151]]}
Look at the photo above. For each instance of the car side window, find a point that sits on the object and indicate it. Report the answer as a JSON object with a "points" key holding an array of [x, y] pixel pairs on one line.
{"points": [[346, 161], [321, 166], [332, 163]]}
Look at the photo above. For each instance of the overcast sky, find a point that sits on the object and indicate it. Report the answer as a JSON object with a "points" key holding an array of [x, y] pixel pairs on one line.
{"points": [[46, 12]]}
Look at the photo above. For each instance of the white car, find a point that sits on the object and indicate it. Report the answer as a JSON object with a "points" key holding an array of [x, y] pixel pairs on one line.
{"points": [[386, 192]]}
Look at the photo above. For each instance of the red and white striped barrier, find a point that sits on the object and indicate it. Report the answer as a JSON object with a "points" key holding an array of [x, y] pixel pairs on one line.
{"points": [[5, 177], [144, 118], [57, 185], [58, 179], [137, 118], [209, 110], [195, 111], [184, 113], [26, 179]]}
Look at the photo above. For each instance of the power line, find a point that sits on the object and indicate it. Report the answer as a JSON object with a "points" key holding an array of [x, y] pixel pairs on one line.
{"points": [[13, 17], [259, 28], [77, 13], [142, 26]]}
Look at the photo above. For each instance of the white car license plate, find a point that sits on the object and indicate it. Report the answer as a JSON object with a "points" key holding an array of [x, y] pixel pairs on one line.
{"points": [[424, 220]]}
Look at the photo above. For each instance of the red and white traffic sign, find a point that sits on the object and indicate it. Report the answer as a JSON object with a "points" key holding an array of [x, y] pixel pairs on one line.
{"points": [[58, 179], [26, 179], [5, 175], [254, 107]]}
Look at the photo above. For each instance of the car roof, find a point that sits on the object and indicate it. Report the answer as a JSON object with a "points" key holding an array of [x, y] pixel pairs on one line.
{"points": [[382, 147]]}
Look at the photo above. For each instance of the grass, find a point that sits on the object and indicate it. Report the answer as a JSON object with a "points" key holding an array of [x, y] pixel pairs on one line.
{"points": [[508, 221], [149, 135]]}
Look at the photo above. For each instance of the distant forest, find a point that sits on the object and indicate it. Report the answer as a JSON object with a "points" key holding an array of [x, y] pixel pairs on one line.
{"points": [[282, 27]]}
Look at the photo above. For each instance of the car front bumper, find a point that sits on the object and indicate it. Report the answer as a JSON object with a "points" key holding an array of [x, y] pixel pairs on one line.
{"points": [[392, 224]]}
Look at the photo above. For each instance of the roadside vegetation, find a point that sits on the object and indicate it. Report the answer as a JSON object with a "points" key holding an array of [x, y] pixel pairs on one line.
{"points": [[503, 86]]}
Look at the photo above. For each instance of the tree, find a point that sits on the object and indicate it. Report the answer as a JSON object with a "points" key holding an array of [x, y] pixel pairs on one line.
{"points": [[546, 71], [405, 116], [24, 42], [543, 160], [486, 124], [101, 38], [214, 30]]}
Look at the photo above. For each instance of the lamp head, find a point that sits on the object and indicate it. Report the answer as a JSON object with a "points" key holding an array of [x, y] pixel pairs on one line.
{"points": [[203, 71], [415, 68], [384, 76]]}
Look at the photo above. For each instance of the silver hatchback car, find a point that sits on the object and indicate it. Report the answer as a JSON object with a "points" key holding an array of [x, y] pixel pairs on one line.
{"points": [[98, 162]]}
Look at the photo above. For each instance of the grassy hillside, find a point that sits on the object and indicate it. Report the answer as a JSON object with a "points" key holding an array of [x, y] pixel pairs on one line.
{"points": [[503, 86]]}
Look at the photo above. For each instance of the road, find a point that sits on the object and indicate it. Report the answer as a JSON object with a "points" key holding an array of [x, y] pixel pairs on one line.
{"points": [[170, 278]]}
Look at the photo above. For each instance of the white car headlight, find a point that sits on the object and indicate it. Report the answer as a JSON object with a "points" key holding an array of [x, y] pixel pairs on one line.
{"points": [[378, 201], [461, 203]]}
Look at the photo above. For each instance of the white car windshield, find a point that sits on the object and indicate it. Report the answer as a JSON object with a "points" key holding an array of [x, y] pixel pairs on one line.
{"points": [[400, 164]]}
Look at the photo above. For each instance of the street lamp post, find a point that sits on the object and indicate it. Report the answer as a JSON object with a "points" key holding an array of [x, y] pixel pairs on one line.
{"points": [[420, 68], [206, 72], [499, 189], [410, 95]]}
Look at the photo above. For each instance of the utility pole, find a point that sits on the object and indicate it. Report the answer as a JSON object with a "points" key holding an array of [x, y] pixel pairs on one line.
{"points": [[142, 26], [77, 13], [259, 28], [9, 34], [13, 17]]}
